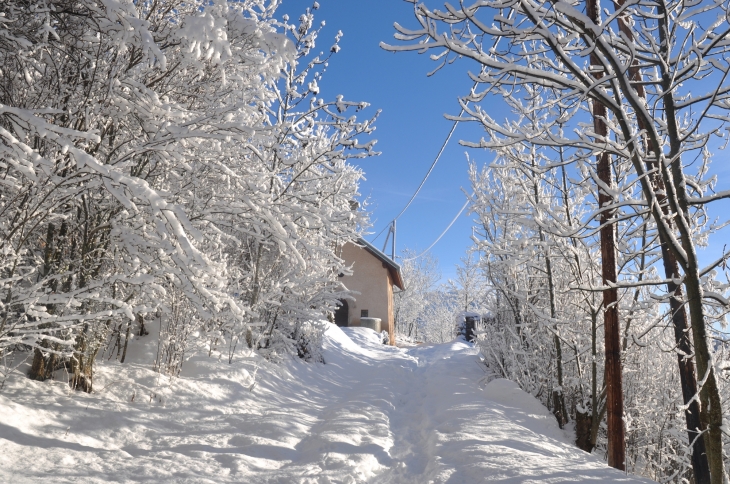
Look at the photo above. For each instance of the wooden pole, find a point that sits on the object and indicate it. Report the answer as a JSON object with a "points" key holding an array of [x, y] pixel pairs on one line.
{"points": [[614, 378]]}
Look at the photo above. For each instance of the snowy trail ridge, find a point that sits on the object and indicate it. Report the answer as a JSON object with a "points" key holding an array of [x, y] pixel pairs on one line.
{"points": [[371, 414]]}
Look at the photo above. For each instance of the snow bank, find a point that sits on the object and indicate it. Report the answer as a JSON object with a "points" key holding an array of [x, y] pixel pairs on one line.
{"points": [[523, 408], [372, 413]]}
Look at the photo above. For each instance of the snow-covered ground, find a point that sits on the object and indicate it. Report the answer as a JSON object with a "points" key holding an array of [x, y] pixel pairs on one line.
{"points": [[372, 413]]}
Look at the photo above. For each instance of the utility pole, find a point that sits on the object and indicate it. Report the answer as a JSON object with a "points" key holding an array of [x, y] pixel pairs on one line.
{"points": [[392, 248], [614, 378], [391, 231]]}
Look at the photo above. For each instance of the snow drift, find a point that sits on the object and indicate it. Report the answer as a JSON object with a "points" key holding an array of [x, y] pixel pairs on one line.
{"points": [[372, 413]]}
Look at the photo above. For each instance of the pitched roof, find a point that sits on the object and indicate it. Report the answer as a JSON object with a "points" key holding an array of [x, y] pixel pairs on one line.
{"points": [[388, 263]]}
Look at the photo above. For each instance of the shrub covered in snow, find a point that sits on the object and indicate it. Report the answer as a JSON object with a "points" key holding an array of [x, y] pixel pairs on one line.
{"points": [[168, 163]]}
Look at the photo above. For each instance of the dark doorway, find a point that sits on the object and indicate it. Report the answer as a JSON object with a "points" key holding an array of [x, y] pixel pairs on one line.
{"points": [[342, 313]]}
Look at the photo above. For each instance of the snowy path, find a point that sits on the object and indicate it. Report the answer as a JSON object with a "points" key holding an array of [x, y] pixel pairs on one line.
{"points": [[371, 414]]}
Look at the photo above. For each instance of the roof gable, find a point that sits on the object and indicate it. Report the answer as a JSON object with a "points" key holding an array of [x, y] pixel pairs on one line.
{"points": [[388, 263]]}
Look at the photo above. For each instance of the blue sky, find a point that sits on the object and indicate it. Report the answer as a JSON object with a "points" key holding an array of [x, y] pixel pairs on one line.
{"points": [[412, 127]]}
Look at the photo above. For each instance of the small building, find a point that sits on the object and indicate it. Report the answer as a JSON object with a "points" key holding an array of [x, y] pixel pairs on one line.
{"points": [[373, 278]]}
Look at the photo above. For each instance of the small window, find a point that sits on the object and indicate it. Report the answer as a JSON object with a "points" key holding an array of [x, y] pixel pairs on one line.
{"points": [[363, 313]]}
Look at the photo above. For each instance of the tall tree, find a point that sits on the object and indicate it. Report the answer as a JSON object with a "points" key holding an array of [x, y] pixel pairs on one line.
{"points": [[682, 67]]}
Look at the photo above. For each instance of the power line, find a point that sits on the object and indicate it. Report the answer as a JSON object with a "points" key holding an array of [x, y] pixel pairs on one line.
{"points": [[438, 156], [428, 173], [442, 233]]}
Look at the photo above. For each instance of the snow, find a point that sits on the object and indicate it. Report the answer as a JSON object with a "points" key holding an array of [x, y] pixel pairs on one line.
{"points": [[372, 413]]}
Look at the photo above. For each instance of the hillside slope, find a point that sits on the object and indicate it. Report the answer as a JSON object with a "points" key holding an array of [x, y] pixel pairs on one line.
{"points": [[372, 413]]}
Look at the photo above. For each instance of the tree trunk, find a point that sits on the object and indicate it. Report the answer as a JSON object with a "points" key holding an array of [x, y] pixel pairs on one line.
{"points": [[687, 376], [583, 424], [711, 412], [676, 195], [81, 362], [559, 409], [43, 365], [586, 439], [586, 424], [141, 326], [126, 341]]}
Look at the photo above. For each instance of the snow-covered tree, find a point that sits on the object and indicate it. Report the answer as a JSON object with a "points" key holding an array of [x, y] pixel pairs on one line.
{"points": [[420, 276], [469, 285], [630, 97], [171, 159]]}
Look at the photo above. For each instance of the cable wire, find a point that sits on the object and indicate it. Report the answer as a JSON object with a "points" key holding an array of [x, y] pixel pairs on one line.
{"points": [[453, 128], [442, 233], [428, 173]]}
